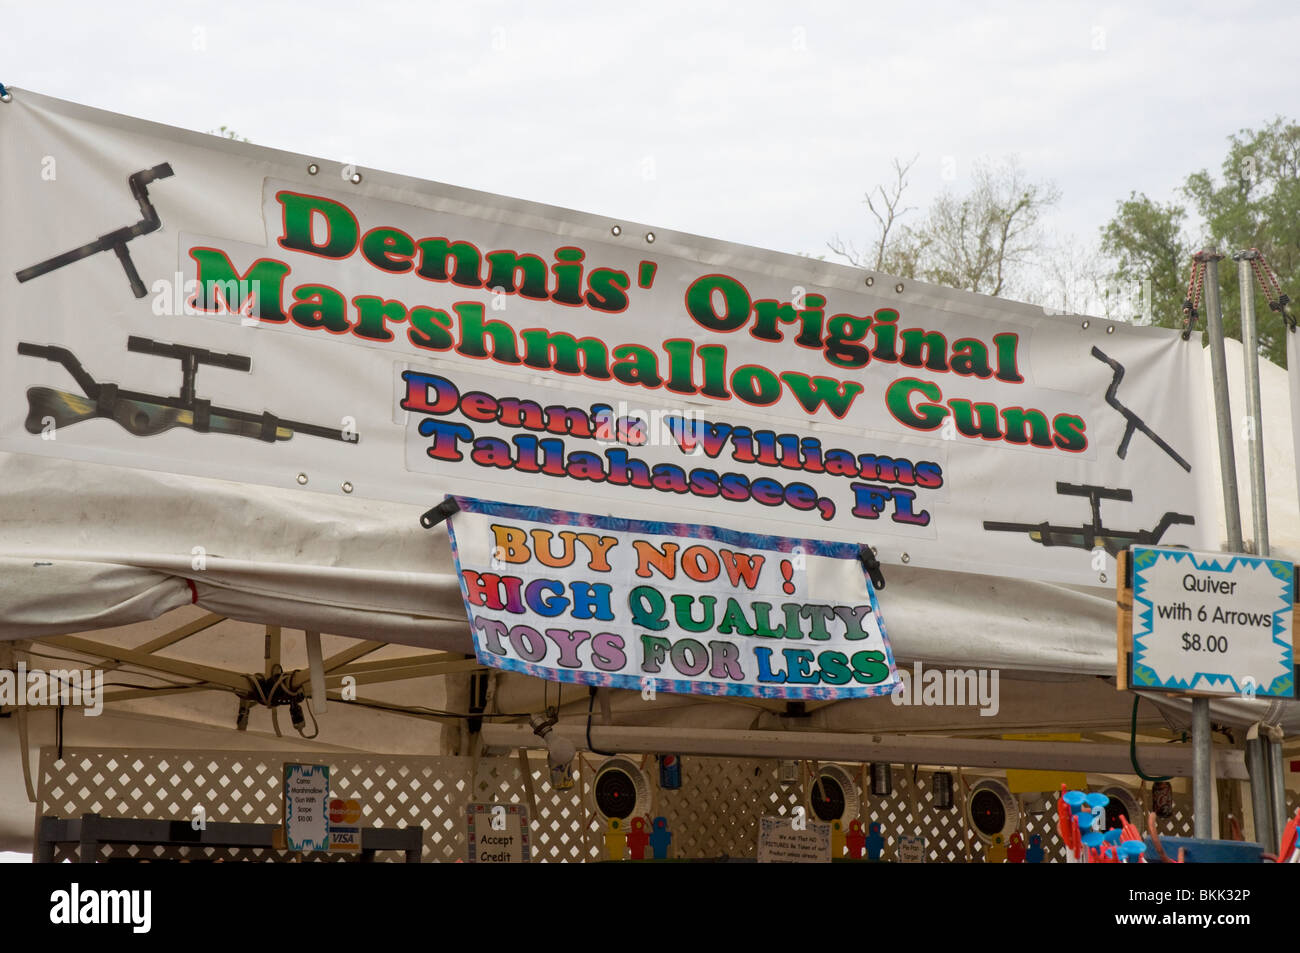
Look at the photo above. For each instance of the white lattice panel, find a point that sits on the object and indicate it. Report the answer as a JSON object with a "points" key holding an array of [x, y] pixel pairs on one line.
{"points": [[713, 815]]}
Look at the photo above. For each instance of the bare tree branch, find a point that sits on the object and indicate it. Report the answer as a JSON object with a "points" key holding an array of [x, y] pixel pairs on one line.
{"points": [[885, 205]]}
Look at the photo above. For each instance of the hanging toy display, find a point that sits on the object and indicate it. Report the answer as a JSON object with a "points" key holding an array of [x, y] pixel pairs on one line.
{"points": [[1081, 819]]}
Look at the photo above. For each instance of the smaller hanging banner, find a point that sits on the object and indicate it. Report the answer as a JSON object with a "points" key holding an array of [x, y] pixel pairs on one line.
{"points": [[1212, 623], [668, 607]]}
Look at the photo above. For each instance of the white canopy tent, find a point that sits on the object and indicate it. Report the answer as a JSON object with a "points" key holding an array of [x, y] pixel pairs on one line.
{"points": [[87, 547], [187, 588]]}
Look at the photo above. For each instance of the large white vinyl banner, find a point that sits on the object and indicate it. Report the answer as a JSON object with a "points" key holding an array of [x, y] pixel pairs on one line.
{"points": [[178, 302]]}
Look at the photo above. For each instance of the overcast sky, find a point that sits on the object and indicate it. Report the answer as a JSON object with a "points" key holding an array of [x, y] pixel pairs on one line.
{"points": [[762, 122]]}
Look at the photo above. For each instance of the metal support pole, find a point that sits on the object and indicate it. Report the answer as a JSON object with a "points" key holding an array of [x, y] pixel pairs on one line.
{"points": [[1222, 405], [1255, 422], [1259, 510], [1276, 768], [1202, 764], [1202, 769], [1261, 807]]}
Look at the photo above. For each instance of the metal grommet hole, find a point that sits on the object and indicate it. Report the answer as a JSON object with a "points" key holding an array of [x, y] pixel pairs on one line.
{"points": [[312, 168], [1085, 325], [906, 558], [899, 288], [347, 487], [355, 178], [650, 238], [302, 479], [616, 231], [870, 281], [1111, 329]]}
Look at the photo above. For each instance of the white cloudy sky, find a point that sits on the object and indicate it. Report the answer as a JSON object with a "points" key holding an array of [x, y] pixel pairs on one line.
{"points": [[761, 122]]}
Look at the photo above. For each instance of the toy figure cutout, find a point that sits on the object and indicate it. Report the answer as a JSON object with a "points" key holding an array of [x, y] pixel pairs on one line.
{"points": [[615, 839], [660, 838], [1016, 849], [1035, 853], [638, 839], [996, 852], [855, 839], [875, 842], [837, 839]]}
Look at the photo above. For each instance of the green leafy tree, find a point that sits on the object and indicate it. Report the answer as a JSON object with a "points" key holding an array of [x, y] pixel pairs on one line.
{"points": [[1147, 242], [1254, 202]]}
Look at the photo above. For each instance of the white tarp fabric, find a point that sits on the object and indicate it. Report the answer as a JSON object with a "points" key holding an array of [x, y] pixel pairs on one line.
{"points": [[269, 319], [327, 546]]}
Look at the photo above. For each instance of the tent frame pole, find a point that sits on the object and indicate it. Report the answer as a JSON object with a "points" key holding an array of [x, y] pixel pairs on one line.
{"points": [[1272, 747], [1203, 768], [1222, 403]]}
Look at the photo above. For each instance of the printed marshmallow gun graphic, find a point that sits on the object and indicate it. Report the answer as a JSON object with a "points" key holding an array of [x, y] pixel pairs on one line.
{"points": [[145, 415], [115, 240]]}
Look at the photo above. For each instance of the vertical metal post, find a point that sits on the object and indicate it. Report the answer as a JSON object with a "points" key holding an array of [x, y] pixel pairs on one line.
{"points": [[1279, 783], [1222, 405], [1262, 779], [1261, 807], [1202, 748], [1250, 348], [1202, 769], [1259, 510]]}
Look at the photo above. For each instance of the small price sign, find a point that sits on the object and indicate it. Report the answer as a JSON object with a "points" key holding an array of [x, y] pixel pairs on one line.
{"points": [[1209, 623]]}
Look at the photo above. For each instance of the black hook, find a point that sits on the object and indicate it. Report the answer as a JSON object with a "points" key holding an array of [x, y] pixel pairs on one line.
{"points": [[871, 564], [440, 512]]}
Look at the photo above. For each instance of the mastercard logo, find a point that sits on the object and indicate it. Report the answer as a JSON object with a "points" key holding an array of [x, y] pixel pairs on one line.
{"points": [[344, 811]]}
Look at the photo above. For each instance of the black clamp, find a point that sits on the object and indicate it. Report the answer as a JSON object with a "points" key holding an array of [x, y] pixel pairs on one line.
{"points": [[1280, 305], [202, 416], [867, 556], [440, 512], [1190, 316], [106, 400], [270, 423]]}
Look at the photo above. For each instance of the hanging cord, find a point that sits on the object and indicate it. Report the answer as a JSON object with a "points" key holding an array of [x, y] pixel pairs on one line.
{"points": [[1192, 302], [1278, 300], [1133, 747]]}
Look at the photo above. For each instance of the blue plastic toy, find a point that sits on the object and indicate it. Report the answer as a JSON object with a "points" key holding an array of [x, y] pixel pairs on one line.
{"points": [[875, 842], [1035, 853], [661, 838]]}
